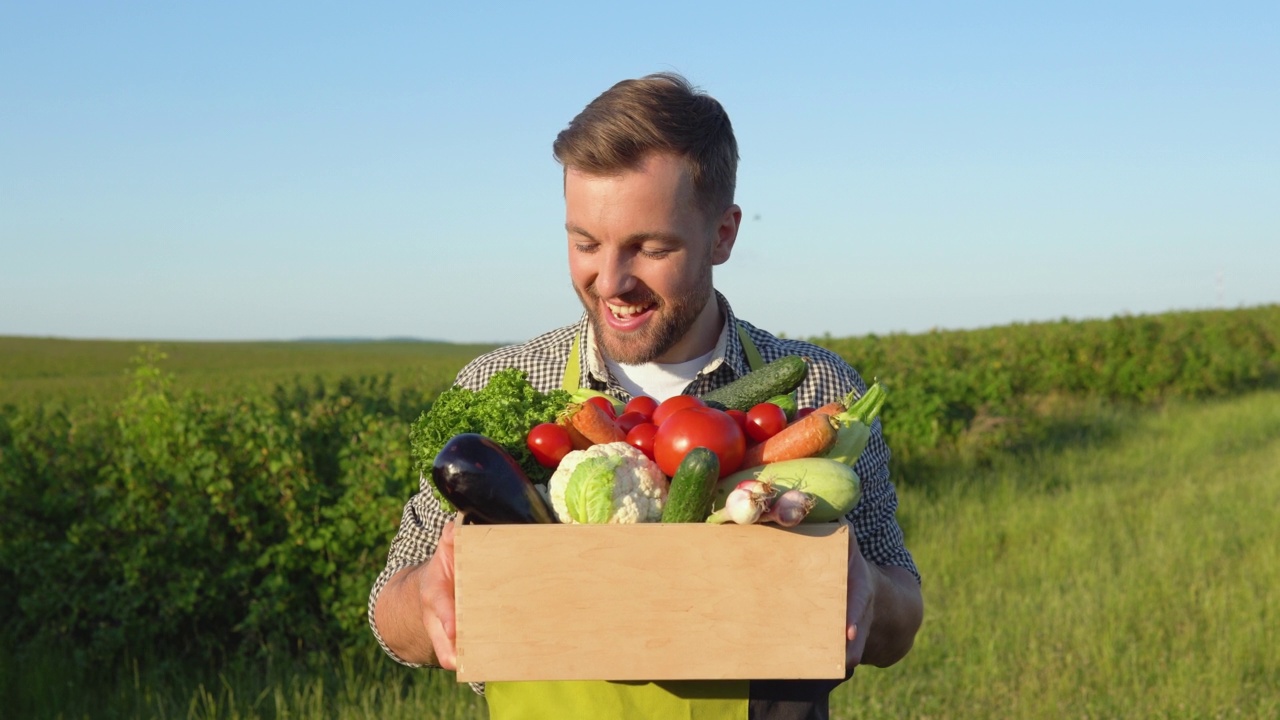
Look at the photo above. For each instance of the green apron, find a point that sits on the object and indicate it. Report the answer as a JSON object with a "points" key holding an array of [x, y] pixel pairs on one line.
{"points": [[594, 699]]}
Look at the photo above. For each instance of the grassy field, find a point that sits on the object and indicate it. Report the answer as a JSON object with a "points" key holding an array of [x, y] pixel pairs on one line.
{"points": [[50, 369], [1127, 568]]}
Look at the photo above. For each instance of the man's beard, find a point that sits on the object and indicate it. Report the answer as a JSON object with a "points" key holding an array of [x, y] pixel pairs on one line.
{"points": [[668, 325]]}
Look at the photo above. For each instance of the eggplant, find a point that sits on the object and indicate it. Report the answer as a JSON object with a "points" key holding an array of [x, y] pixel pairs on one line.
{"points": [[482, 480]]}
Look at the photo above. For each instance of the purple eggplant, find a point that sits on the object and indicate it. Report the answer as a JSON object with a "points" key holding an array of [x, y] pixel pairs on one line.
{"points": [[482, 480]]}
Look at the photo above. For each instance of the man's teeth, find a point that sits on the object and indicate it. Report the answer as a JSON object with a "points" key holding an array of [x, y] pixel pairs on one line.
{"points": [[624, 311]]}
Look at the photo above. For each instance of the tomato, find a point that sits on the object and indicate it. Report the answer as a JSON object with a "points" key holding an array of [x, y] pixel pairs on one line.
{"points": [[604, 404], [672, 405], [642, 404], [628, 420], [699, 427], [549, 443], [738, 417], [641, 437], [764, 421], [802, 412]]}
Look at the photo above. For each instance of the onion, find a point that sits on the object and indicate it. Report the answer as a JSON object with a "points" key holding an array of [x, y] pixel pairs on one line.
{"points": [[746, 504], [789, 509]]}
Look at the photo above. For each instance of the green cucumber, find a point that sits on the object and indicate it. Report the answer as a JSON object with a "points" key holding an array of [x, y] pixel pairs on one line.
{"points": [[777, 378], [834, 486], [692, 487]]}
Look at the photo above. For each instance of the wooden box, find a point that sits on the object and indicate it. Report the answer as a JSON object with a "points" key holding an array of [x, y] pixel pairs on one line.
{"points": [[650, 602]]}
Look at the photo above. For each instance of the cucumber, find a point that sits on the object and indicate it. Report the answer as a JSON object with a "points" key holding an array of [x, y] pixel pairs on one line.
{"points": [[777, 378], [834, 486], [692, 487]]}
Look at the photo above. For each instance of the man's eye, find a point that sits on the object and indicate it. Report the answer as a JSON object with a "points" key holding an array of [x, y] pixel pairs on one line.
{"points": [[655, 254], [585, 247]]}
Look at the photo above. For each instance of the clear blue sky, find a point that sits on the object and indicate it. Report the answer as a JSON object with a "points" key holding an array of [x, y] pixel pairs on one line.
{"points": [[282, 170]]}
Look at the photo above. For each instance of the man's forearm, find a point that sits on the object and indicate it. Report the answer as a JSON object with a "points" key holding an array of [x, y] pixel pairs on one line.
{"points": [[400, 615], [899, 610]]}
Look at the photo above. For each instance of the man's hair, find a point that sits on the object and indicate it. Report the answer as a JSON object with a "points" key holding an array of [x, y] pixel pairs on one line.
{"points": [[657, 113]]}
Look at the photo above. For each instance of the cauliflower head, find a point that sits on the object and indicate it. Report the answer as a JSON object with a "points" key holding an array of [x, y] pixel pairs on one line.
{"points": [[609, 483]]}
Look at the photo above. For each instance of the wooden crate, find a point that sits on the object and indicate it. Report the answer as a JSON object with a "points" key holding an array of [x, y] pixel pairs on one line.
{"points": [[650, 602]]}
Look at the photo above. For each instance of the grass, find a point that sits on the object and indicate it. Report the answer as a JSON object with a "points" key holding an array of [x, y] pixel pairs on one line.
{"points": [[1133, 574], [1127, 568], [47, 369]]}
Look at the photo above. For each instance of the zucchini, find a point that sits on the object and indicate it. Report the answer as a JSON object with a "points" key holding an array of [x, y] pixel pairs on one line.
{"points": [[834, 486], [692, 487], [777, 378]]}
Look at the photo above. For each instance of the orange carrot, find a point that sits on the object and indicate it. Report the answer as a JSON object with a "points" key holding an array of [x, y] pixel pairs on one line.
{"points": [[812, 435], [831, 408], [592, 422]]}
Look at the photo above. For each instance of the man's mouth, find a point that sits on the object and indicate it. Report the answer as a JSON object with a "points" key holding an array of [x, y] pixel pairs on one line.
{"points": [[623, 312]]}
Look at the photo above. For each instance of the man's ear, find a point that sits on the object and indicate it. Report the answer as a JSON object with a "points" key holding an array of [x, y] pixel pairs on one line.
{"points": [[726, 233]]}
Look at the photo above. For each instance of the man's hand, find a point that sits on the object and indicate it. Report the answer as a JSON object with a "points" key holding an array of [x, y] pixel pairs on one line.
{"points": [[435, 588], [415, 610], [883, 611]]}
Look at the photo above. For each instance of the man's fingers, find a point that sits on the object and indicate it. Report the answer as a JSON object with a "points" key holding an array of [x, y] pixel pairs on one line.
{"points": [[440, 618]]}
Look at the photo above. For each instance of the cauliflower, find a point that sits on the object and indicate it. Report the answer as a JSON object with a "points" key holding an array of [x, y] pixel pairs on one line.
{"points": [[609, 483]]}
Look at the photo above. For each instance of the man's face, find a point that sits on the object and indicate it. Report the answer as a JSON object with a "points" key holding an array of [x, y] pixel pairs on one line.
{"points": [[640, 257]]}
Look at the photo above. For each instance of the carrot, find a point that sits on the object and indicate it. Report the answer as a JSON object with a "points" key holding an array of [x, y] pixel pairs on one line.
{"points": [[594, 425], [812, 435], [831, 408]]}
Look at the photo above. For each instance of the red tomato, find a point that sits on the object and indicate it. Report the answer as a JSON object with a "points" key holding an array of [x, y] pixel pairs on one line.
{"points": [[672, 405], [699, 427], [764, 421], [604, 404], [641, 437], [738, 417], [642, 404], [549, 443], [628, 420], [801, 413]]}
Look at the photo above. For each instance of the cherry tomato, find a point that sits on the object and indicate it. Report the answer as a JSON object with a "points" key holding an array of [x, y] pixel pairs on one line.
{"points": [[671, 405], [739, 417], [628, 420], [802, 412], [549, 443], [699, 427], [641, 437], [642, 404], [604, 404], [764, 421]]}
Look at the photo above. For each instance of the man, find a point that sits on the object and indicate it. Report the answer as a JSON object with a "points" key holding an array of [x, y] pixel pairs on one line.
{"points": [[649, 172]]}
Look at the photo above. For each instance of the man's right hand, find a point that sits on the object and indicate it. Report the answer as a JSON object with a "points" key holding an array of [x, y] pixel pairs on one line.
{"points": [[435, 588], [415, 610]]}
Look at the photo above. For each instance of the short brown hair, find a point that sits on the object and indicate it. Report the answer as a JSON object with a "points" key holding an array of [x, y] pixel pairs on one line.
{"points": [[657, 113]]}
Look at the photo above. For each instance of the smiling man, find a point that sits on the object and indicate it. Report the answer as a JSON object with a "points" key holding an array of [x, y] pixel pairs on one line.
{"points": [[649, 173]]}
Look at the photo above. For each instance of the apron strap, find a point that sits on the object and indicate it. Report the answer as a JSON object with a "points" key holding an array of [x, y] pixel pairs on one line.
{"points": [[754, 361], [572, 372]]}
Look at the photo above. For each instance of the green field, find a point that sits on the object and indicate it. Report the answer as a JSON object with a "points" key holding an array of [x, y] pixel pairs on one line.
{"points": [[51, 369], [1130, 570]]}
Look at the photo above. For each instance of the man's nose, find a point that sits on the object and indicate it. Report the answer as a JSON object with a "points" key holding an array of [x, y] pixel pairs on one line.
{"points": [[614, 277]]}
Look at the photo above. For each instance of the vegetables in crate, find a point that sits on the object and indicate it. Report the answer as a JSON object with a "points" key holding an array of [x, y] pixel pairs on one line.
{"points": [[481, 479], [610, 483], [693, 487], [835, 487], [503, 411], [776, 378]]}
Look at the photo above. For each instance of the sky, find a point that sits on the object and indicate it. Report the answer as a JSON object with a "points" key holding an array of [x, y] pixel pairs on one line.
{"points": [[248, 171]]}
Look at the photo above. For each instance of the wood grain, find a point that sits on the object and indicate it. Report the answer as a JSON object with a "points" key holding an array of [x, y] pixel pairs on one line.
{"points": [[650, 602]]}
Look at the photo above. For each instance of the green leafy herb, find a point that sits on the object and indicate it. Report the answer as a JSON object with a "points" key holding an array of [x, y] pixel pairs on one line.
{"points": [[504, 411]]}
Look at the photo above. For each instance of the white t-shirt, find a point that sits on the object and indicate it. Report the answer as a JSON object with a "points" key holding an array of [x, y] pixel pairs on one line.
{"points": [[658, 380]]}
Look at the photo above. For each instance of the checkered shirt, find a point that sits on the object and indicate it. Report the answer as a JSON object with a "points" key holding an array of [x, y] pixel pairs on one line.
{"points": [[544, 358]]}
